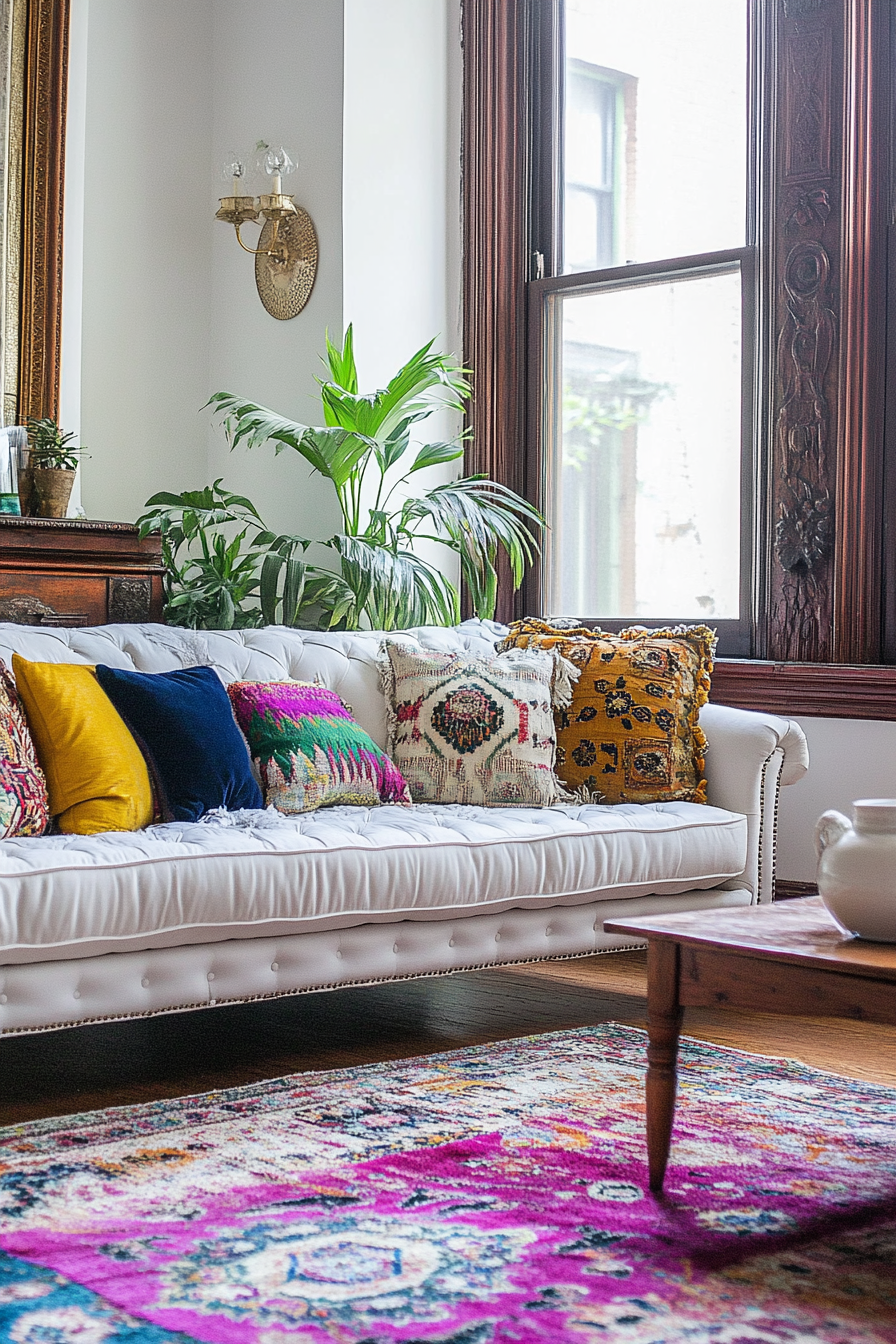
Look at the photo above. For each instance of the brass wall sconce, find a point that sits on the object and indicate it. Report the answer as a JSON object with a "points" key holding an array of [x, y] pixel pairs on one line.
{"points": [[286, 255]]}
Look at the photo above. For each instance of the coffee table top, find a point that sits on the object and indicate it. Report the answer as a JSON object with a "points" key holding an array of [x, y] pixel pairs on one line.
{"points": [[791, 931]]}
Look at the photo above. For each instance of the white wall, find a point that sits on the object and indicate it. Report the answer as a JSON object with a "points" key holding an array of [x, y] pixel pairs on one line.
{"points": [[170, 310], [146, 270], [402, 193], [401, 175], [849, 759], [277, 75]]}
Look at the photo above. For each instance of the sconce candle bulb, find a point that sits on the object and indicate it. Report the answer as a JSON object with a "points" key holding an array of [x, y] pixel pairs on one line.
{"points": [[234, 171], [275, 161]]}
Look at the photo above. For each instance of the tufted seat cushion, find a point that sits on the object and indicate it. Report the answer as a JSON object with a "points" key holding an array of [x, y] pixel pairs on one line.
{"points": [[255, 874]]}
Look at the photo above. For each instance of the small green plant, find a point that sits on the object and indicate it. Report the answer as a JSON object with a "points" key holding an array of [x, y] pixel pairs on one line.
{"points": [[50, 448], [220, 558], [209, 576]]}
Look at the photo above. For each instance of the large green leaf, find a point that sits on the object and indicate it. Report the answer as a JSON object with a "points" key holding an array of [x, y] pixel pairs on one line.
{"points": [[282, 608], [342, 362], [394, 448], [210, 506], [434, 454], [406, 397], [395, 589], [332, 450], [479, 517]]}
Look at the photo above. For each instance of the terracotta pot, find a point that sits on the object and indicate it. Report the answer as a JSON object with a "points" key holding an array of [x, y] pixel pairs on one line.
{"points": [[53, 489], [27, 501]]}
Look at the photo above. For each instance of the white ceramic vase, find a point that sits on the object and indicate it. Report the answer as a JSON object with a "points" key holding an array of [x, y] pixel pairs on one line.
{"points": [[857, 867]]}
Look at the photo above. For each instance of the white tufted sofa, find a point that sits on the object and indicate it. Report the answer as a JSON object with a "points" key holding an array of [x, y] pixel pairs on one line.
{"points": [[254, 905]]}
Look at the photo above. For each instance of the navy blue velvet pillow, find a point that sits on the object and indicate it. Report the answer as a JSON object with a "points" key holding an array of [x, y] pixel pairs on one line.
{"points": [[184, 721]]}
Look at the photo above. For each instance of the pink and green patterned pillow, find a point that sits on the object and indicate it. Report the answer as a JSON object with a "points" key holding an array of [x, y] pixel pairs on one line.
{"points": [[310, 751], [23, 788]]}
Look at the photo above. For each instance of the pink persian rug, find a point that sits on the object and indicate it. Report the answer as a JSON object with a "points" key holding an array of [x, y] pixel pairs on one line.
{"points": [[494, 1194]]}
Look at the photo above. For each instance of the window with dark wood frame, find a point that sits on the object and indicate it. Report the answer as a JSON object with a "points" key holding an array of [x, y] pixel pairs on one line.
{"points": [[824, 569]]}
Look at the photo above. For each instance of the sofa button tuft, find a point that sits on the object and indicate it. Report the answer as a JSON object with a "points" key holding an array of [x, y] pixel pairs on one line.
{"points": [[548, 931], [2, 998], [394, 947], [338, 954], [145, 982], [77, 994], [450, 942], [210, 976], [275, 965], [497, 937]]}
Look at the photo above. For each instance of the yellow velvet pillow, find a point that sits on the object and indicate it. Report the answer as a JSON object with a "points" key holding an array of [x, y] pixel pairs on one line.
{"points": [[631, 733], [96, 776]]}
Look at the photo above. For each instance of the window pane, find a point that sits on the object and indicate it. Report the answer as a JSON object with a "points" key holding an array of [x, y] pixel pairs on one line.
{"points": [[656, 116], [589, 224], [644, 481]]}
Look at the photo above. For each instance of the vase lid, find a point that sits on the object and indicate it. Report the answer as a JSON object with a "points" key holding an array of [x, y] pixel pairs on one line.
{"points": [[875, 814]]}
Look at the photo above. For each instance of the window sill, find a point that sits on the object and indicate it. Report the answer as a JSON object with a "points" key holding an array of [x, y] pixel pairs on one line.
{"points": [[815, 690]]}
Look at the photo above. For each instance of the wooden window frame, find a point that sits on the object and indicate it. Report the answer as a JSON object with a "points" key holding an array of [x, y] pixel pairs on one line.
{"points": [[822, 88], [736, 633]]}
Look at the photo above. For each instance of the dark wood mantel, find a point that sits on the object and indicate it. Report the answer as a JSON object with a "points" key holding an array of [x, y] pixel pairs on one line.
{"points": [[74, 571]]}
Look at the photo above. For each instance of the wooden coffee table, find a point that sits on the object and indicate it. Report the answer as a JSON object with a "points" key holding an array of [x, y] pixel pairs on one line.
{"points": [[788, 958]]}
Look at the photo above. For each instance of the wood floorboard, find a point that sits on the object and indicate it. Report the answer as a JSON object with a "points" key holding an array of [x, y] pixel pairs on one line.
{"points": [[116, 1064]]}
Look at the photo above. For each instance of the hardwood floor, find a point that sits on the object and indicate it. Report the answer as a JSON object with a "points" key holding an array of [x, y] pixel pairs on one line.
{"points": [[61, 1072]]}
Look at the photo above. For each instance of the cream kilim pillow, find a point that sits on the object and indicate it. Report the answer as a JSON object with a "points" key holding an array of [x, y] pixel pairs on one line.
{"points": [[478, 731]]}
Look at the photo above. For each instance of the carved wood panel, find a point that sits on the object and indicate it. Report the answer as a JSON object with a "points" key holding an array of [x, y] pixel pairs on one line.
{"points": [[805, 229], [826, 232], [807, 86], [130, 600]]}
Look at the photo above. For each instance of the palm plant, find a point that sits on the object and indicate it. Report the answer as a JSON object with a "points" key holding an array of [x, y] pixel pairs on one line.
{"points": [[364, 448]]}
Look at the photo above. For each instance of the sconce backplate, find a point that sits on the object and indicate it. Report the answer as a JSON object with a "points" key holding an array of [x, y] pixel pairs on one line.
{"points": [[284, 286]]}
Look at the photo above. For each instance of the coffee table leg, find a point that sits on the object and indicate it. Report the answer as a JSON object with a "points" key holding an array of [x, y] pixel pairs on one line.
{"points": [[664, 1015]]}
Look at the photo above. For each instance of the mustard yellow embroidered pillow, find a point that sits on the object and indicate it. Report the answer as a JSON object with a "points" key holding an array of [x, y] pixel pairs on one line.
{"points": [[630, 734], [96, 776]]}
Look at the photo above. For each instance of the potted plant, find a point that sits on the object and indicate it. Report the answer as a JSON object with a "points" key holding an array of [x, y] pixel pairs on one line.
{"points": [[225, 569], [365, 449], [49, 478]]}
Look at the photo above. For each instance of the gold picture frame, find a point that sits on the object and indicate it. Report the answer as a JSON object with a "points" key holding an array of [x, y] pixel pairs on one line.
{"points": [[33, 86], [12, 124]]}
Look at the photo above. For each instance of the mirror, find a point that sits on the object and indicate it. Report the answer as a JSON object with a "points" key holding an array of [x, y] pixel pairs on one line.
{"points": [[33, 84]]}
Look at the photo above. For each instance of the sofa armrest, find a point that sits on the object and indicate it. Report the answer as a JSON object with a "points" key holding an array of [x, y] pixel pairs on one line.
{"points": [[750, 756]]}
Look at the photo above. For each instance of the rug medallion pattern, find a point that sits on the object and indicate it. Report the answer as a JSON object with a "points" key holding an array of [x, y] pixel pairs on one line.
{"points": [[495, 1194]]}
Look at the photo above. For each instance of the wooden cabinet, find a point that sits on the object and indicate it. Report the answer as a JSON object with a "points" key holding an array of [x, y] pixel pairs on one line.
{"points": [[73, 571]]}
